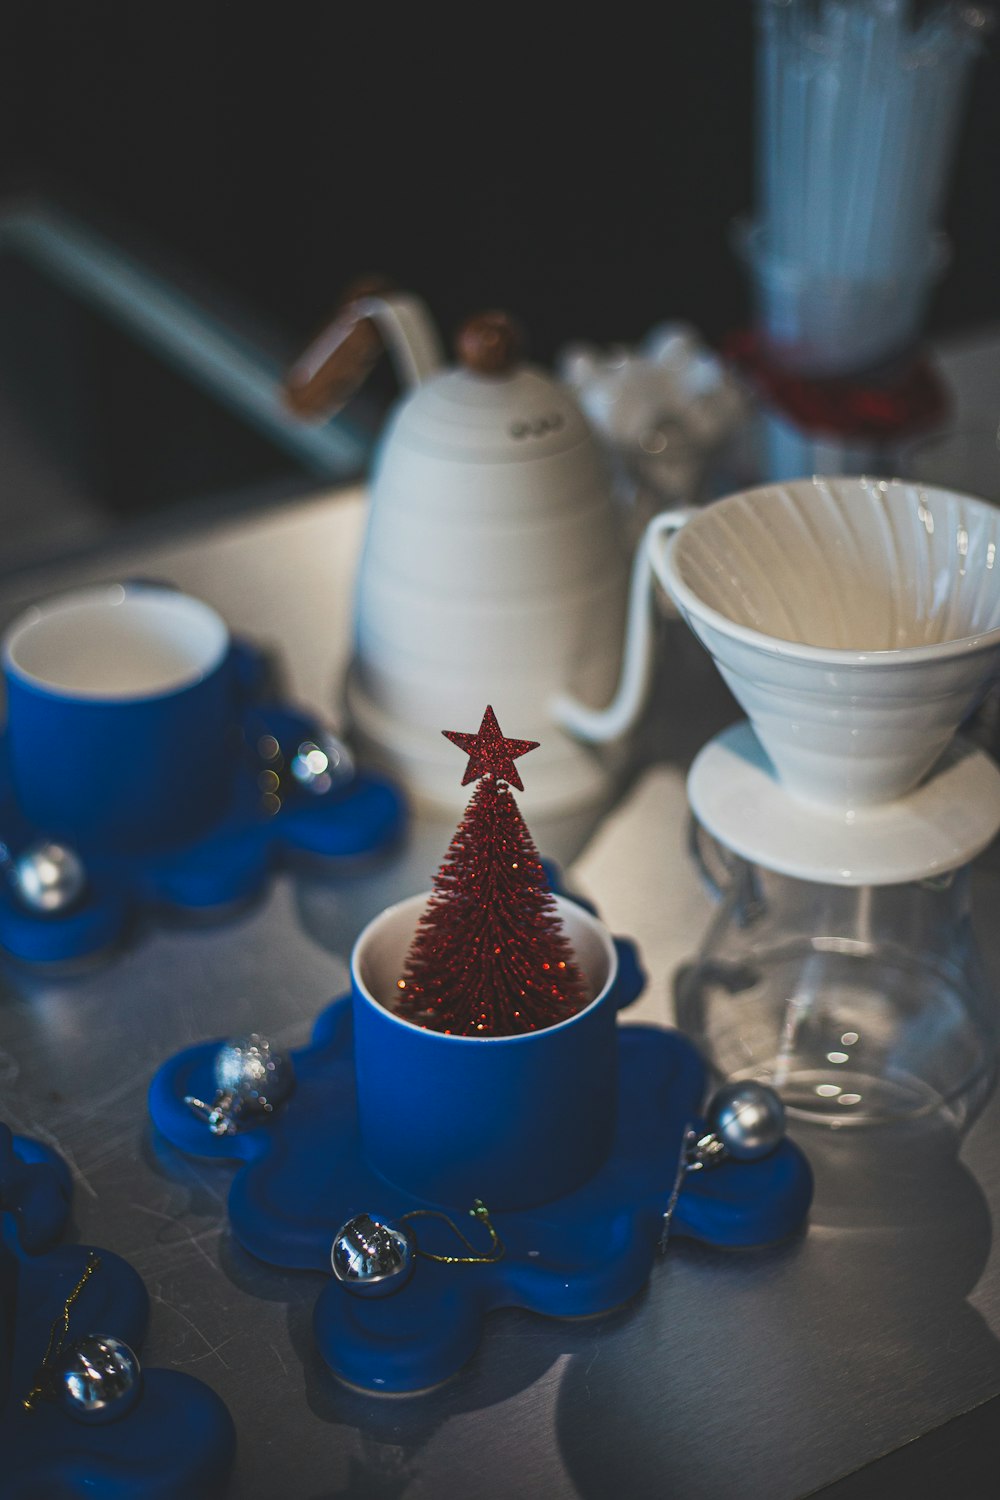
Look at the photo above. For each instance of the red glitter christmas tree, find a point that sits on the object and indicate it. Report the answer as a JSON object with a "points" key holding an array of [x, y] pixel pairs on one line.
{"points": [[490, 956]]}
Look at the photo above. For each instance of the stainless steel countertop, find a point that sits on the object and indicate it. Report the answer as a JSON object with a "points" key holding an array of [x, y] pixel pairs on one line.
{"points": [[760, 1374]]}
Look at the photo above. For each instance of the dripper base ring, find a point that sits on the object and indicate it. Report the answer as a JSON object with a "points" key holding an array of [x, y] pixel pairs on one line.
{"points": [[945, 822]]}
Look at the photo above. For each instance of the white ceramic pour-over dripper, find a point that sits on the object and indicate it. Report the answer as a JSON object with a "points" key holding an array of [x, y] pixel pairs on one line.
{"points": [[856, 620]]}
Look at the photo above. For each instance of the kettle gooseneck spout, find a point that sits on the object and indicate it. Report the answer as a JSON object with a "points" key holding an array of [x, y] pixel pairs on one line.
{"points": [[601, 725]]}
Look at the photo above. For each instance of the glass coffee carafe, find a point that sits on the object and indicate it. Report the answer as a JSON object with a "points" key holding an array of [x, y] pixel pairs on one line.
{"points": [[860, 1004]]}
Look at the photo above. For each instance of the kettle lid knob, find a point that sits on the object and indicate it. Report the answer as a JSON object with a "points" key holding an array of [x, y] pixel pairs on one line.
{"points": [[489, 343]]}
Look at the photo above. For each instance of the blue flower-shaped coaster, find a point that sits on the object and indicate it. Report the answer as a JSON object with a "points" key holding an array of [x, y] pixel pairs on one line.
{"points": [[259, 832], [303, 1174], [44, 1450]]}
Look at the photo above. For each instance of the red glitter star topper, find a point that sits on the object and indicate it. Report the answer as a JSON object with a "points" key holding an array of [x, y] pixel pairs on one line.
{"points": [[490, 754]]}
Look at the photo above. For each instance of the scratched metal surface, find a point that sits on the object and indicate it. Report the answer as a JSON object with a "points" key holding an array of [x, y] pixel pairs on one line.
{"points": [[766, 1374]]}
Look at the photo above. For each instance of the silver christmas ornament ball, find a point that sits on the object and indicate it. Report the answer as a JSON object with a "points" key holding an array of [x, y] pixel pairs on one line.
{"points": [[372, 1256], [254, 1074], [748, 1118], [48, 877], [322, 763], [97, 1379]]}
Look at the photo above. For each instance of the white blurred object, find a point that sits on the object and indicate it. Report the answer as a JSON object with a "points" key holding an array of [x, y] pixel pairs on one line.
{"points": [[663, 411], [857, 114]]}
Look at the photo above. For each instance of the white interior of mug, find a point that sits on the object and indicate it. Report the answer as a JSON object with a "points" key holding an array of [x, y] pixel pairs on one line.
{"points": [[381, 948], [116, 642]]}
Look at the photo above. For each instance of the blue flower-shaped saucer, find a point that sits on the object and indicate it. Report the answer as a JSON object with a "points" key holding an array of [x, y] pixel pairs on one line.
{"points": [[223, 867], [44, 1451], [303, 1174]]}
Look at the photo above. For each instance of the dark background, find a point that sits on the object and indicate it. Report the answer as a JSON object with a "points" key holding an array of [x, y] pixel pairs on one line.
{"points": [[584, 176], [581, 168]]}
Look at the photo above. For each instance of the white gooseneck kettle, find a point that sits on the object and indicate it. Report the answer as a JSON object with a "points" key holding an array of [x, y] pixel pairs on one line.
{"points": [[494, 567]]}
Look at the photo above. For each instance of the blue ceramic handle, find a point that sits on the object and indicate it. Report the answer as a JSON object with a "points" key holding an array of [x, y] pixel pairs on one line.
{"points": [[631, 975], [632, 978]]}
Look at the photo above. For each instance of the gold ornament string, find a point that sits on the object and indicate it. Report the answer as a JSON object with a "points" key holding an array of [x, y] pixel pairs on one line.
{"points": [[478, 1211], [58, 1334]]}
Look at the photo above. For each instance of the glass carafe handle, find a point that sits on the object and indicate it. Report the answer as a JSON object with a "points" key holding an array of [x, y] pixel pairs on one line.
{"points": [[725, 876]]}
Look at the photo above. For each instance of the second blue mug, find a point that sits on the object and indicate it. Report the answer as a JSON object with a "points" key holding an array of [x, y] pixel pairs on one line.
{"points": [[121, 716]]}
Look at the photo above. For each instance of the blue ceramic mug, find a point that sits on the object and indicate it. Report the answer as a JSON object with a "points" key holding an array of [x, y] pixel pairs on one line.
{"points": [[121, 712], [515, 1121]]}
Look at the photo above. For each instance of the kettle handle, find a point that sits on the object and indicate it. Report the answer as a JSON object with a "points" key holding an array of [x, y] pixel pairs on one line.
{"points": [[330, 370], [599, 725]]}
